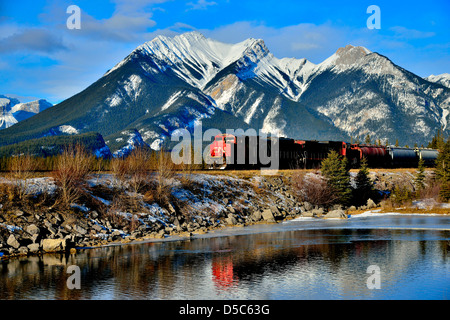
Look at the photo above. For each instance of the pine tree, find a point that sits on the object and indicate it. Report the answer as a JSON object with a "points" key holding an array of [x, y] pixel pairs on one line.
{"points": [[396, 143], [364, 185], [367, 140], [442, 170], [335, 170], [438, 140], [419, 180]]}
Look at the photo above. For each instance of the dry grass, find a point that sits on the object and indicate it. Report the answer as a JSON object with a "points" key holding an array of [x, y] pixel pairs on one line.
{"points": [[133, 171], [73, 167], [137, 169], [21, 169], [164, 175]]}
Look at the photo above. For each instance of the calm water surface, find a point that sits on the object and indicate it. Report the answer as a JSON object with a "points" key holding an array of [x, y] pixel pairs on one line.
{"points": [[299, 259]]}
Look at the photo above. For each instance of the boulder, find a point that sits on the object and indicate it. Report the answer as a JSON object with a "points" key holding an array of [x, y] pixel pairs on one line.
{"points": [[308, 214], [32, 229], [318, 212], [339, 214], [80, 230], [13, 242], [18, 213], [171, 209], [256, 215], [308, 206], [230, 220], [34, 247], [371, 204], [267, 215], [53, 245], [23, 250]]}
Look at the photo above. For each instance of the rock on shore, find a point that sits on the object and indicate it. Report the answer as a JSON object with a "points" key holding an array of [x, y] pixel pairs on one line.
{"points": [[206, 202]]}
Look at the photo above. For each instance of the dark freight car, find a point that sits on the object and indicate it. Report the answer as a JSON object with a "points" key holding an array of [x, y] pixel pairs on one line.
{"points": [[403, 157], [314, 152], [429, 156]]}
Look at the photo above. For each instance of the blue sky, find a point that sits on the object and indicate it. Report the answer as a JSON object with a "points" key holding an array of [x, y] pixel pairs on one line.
{"points": [[40, 57]]}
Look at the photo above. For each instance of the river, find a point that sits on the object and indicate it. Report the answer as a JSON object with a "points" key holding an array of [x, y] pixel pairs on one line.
{"points": [[300, 259]]}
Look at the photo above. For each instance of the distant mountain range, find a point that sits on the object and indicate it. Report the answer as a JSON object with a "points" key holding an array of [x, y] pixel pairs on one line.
{"points": [[12, 111], [172, 83]]}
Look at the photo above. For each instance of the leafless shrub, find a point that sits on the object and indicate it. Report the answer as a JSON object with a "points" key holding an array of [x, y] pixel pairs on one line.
{"points": [[8, 194], [73, 167], [431, 189], [119, 171], [313, 188], [164, 175], [21, 168], [136, 165]]}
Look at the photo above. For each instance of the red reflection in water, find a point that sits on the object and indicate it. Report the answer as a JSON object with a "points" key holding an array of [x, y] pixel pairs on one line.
{"points": [[222, 270]]}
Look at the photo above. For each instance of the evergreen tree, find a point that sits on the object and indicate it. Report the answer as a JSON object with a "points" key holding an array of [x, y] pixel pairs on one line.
{"points": [[367, 140], [419, 180], [442, 170], [364, 185], [396, 143], [335, 170], [438, 140]]}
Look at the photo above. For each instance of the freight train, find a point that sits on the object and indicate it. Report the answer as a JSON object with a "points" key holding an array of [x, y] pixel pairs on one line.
{"points": [[243, 152]]}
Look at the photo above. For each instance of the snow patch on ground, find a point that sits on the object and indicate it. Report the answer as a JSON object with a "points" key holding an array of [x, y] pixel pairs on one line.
{"points": [[68, 129]]}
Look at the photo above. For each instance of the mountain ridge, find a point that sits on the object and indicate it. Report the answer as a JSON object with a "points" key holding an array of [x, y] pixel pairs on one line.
{"points": [[168, 84]]}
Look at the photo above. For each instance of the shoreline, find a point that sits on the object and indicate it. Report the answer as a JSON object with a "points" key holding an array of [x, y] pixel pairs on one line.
{"points": [[201, 205], [211, 233]]}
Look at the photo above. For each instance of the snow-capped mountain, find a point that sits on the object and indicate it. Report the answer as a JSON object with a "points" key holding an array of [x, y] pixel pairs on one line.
{"points": [[6, 117], [12, 111], [22, 111], [443, 79], [172, 83]]}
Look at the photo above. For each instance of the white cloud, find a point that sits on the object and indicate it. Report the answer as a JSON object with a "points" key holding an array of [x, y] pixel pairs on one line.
{"points": [[406, 33], [33, 39], [200, 5], [305, 40]]}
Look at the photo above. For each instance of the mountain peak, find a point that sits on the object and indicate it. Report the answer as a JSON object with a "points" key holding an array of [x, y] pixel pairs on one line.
{"points": [[188, 36], [346, 56], [443, 79], [349, 49], [350, 54]]}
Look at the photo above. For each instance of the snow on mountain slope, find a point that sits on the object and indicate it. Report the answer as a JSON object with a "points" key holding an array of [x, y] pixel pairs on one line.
{"points": [[371, 95], [443, 79], [22, 111], [133, 141], [194, 58], [33, 106], [170, 83], [7, 119], [12, 111]]}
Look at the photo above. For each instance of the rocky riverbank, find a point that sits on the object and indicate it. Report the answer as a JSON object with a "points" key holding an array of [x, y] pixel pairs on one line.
{"points": [[109, 213]]}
